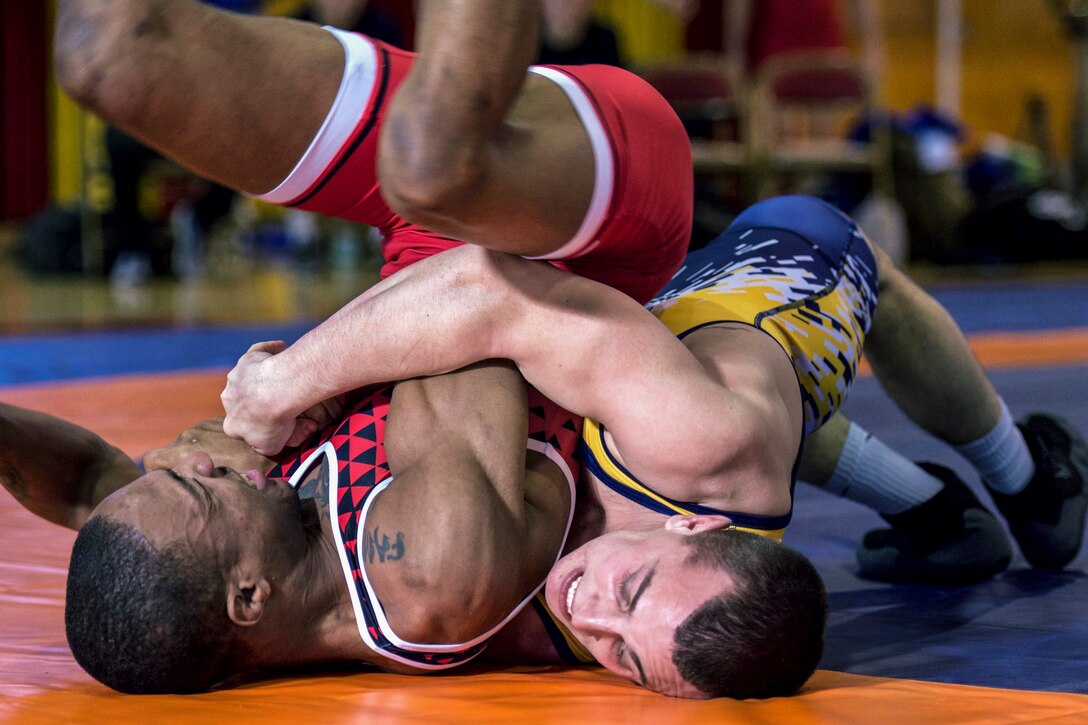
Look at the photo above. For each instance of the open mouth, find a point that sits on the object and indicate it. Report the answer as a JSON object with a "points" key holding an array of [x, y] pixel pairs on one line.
{"points": [[255, 478], [572, 590]]}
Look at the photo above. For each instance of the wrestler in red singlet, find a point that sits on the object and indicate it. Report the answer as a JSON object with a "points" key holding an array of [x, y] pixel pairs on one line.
{"points": [[356, 450], [637, 229], [634, 237]]}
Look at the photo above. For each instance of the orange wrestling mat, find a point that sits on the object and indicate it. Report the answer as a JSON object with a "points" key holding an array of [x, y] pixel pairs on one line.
{"points": [[41, 683], [1017, 350]]}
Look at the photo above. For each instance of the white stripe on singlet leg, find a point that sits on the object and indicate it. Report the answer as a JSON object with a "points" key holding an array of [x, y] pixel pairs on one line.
{"points": [[604, 178], [352, 100]]}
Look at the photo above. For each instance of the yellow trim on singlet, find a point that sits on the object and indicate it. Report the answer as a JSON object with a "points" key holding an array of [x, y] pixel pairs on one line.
{"points": [[775, 534], [577, 649], [591, 434], [594, 440]]}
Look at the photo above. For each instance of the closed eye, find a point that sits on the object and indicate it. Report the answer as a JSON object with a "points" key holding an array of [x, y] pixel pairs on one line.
{"points": [[195, 489], [642, 587], [624, 589], [622, 648]]}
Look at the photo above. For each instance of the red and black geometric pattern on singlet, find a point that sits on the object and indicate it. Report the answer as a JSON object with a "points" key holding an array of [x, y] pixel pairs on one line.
{"points": [[556, 427], [359, 441]]}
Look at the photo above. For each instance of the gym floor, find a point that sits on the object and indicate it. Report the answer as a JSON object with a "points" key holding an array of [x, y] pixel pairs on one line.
{"points": [[138, 364]]}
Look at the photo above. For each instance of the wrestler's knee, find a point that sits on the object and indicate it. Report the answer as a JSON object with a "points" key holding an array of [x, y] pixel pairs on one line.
{"points": [[426, 171], [898, 296], [97, 53], [429, 193]]}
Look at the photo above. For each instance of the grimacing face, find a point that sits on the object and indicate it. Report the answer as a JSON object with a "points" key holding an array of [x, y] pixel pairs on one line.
{"points": [[235, 516], [624, 594]]}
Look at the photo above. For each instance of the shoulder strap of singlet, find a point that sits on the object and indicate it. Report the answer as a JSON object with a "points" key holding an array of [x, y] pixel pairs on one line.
{"points": [[596, 456], [570, 650]]}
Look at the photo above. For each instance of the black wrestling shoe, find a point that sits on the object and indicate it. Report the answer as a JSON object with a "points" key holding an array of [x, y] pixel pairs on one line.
{"points": [[1047, 517], [949, 539]]}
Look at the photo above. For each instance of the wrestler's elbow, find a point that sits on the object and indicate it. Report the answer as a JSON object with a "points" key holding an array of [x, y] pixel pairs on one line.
{"points": [[429, 192], [471, 612], [451, 611], [428, 175]]}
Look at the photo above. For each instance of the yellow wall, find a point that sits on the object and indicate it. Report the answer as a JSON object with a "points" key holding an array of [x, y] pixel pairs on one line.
{"points": [[67, 165], [1010, 48], [646, 31], [66, 174]]}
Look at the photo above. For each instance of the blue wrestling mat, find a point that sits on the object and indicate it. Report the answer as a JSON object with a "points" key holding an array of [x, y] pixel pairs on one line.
{"points": [[41, 358], [1025, 629]]}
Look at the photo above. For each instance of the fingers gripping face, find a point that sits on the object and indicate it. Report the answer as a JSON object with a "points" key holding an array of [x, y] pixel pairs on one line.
{"points": [[250, 400], [208, 437]]}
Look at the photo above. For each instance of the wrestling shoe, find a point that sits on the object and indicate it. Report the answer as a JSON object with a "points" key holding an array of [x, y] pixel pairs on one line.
{"points": [[1047, 517], [949, 539]]}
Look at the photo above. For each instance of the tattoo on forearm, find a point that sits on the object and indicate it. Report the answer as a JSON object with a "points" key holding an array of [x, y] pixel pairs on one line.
{"points": [[379, 546]]}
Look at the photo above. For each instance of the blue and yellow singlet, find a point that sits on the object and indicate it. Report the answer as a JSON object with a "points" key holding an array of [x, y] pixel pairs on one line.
{"points": [[800, 271]]}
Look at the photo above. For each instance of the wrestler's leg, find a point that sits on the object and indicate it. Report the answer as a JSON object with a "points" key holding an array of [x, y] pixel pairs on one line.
{"points": [[941, 532], [922, 360], [235, 98], [526, 189], [471, 149], [1036, 470]]}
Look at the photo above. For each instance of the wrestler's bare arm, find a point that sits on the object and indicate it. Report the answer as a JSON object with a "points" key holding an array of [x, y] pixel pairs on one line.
{"points": [[57, 469], [584, 345], [468, 526], [466, 153]]}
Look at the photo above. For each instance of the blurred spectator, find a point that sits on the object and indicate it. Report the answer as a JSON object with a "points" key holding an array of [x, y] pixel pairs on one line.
{"points": [[138, 247], [358, 16], [573, 35]]}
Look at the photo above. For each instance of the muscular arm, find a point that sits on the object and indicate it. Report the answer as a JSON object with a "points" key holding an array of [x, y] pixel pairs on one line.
{"points": [[57, 469], [467, 529], [586, 346], [472, 62]]}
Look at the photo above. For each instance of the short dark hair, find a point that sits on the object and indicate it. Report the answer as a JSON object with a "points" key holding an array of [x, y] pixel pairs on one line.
{"points": [[144, 621], [765, 635]]}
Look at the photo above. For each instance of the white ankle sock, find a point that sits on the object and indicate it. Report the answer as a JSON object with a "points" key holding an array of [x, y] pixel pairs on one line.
{"points": [[874, 475], [1001, 456]]}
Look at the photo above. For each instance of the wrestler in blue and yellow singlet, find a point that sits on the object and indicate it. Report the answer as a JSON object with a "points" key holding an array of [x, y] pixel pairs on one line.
{"points": [[793, 267]]}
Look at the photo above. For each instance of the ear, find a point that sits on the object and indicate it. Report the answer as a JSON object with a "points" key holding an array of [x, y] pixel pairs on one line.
{"points": [[688, 524], [246, 601]]}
